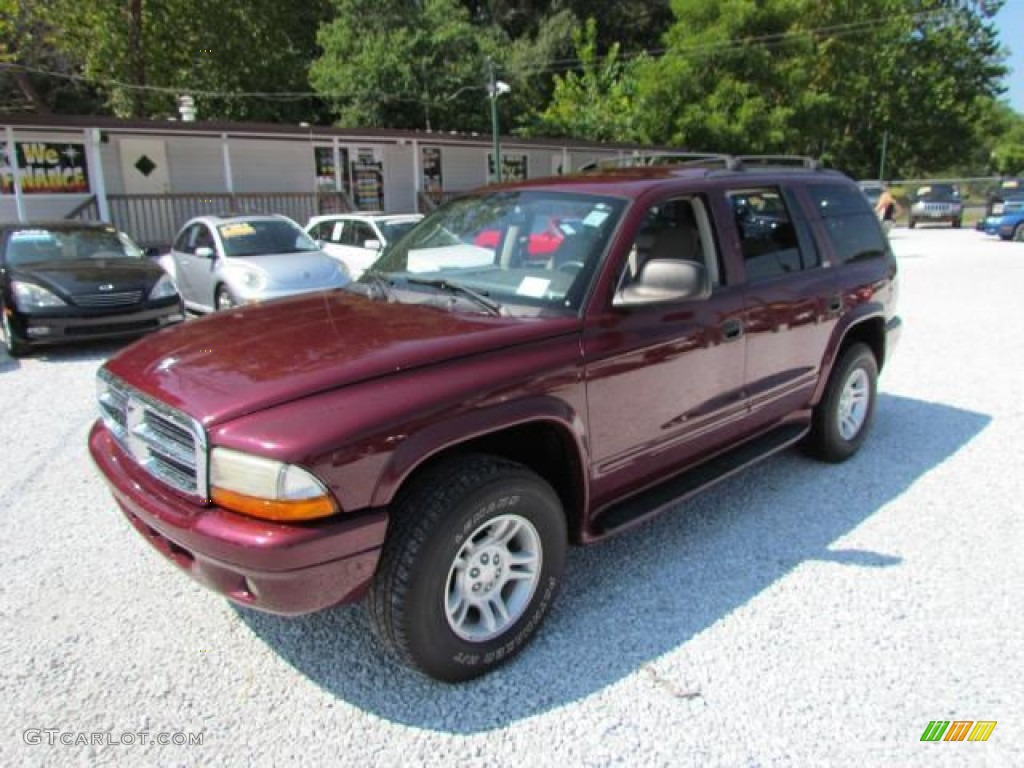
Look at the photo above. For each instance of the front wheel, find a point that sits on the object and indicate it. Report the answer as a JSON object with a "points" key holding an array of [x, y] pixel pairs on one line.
{"points": [[841, 420], [224, 299], [15, 347], [471, 565], [911, 223]]}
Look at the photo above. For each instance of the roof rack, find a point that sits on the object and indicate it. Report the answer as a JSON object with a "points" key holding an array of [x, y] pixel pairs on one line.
{"points": [[729, 162]]}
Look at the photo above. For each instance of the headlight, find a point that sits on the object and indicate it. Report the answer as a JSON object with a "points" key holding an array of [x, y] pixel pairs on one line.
{"points": [[266, 488], [164, 287], [252, 279], [29, 296]]}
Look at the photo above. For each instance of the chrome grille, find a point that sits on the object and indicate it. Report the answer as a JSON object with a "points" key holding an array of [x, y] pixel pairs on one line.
{"points": [[166, 443], [120, 299]]}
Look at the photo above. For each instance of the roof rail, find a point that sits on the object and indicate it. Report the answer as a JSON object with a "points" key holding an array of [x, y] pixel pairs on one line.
{"points": [[801, 160]]}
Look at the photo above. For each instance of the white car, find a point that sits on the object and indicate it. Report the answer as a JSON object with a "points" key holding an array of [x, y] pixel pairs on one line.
{"points": [[356, 239]]}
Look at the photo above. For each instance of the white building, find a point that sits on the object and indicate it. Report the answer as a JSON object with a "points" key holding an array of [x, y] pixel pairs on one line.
{"points": [[148, 177]]}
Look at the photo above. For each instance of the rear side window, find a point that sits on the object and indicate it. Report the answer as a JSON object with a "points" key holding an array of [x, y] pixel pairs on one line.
{"points": [[768, 234], [850, 223]]}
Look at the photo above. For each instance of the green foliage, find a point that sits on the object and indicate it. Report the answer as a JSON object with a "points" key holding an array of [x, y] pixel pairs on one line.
{"points": [[828, 79], [598, 103], [403, 64]]}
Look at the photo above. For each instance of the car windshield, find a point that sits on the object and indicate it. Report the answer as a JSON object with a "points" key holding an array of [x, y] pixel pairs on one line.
{"points": [[36, 245], [393, 230], [939, 193], [258, 237], [489, 243]]}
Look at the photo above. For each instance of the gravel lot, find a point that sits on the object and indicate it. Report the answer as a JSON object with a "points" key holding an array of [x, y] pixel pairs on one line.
{"points": [[799, 614]]}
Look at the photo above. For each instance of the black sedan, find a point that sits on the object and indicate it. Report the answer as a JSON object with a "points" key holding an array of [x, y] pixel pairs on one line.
{"points": [[62, 281]]}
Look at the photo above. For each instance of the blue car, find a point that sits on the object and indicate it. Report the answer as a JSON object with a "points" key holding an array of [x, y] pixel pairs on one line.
{"points": [[1006, 217], [1009, 226]]}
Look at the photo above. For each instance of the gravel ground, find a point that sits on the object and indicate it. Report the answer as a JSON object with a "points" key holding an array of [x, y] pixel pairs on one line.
{"points": [[799, 614]]}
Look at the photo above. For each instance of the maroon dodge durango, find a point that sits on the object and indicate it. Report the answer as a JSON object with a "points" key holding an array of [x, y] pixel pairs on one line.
{"points": [[433, 436]]}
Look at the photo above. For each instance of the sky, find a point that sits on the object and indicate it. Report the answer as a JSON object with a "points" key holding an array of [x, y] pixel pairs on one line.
{"points": [[1010, 21]]}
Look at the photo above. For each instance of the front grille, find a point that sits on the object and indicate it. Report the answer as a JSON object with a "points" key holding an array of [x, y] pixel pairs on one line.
{"points": [[136, 326], [121, 299], [165, 442]]}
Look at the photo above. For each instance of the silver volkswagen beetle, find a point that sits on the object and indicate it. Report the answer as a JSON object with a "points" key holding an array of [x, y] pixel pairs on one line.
{"points": [[221, 262]]}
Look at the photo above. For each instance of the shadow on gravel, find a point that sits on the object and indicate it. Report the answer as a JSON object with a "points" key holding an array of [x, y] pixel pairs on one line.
{"points": [[634, 598]]}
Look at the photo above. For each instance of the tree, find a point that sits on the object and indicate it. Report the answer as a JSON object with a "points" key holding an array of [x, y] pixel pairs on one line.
{"points": [[828, 79], [405, 64], [596, 103]]}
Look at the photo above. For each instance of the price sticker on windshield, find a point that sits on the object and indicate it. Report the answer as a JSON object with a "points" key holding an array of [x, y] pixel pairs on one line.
{"points": [[236, 230]]}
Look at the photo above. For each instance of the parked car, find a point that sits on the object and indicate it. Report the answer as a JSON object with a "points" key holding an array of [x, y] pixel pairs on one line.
{"points": [[219, 262], [1006, 201], [356, 239], [63, 281], [1008, 226], [436, 435], [872, 190], [937, 203]]}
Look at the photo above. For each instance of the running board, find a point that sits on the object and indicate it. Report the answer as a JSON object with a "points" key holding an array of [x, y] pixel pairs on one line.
{"points": [[648, 503]]}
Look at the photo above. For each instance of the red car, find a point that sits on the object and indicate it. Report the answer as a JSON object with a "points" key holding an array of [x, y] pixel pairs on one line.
{"points": [[434, 436]]}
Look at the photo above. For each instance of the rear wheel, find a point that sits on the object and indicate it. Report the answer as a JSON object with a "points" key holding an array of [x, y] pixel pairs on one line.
{"points": [[912, 223], [1018, 233], [842, 418], [471, 565], [957, 223]]}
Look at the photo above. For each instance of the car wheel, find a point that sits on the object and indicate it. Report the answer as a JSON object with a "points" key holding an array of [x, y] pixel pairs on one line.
{"points": [[15, 347], [1018, 233], [957, 223], [224, 299], [842, 418], [471, 565], [912, 223]]}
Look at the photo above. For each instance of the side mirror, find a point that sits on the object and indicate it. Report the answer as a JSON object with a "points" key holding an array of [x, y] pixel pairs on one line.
{"points": [[373, 245], [152, 252], [665, 280], [204, 252]]}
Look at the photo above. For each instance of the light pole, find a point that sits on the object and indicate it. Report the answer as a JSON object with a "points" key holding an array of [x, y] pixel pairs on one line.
{"points": [[494, 89]]}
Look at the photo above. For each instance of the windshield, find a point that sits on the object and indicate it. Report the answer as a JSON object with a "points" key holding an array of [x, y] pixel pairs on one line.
{"points": [[393, 230], [533, 248], [264, 236], [36, 245], [942, 193]]}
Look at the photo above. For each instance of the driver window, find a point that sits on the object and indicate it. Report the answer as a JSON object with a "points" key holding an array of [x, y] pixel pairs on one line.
{"points": [[203, 239], [673, 229]]}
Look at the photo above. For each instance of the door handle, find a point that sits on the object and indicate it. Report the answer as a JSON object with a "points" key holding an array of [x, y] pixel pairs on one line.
{"points": [[732, 329], [835, 304]]}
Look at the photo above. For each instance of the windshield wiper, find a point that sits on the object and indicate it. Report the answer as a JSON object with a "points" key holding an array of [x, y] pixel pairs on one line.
{"points": [[447, 285], [382, 283]]}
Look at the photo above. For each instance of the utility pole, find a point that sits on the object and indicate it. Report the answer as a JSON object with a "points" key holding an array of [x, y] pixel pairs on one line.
{"points": [[492, 91], [881, 165]]}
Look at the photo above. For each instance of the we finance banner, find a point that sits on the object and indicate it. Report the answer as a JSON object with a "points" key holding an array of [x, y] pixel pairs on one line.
{"points": [[47, 168]]}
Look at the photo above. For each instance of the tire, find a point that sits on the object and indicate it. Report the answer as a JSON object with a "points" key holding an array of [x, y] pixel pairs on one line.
{"points": [[957, 223], [1018, 233], [15, 347], [911, 223], [223, 299], [843, 417], [425, 609]]}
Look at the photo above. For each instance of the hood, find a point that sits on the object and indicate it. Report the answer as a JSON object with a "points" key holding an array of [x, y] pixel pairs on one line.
{"points": [[233, 363], [292, 270], [68, 279]]}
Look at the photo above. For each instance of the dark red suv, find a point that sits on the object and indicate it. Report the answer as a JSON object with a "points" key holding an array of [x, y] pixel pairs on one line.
{"points": [[434, 436]]}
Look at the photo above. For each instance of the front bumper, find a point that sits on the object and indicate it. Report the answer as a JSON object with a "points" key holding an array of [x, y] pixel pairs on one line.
{"points": [[54, 328], [278, 568]]}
